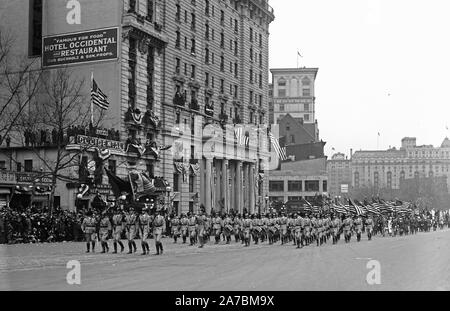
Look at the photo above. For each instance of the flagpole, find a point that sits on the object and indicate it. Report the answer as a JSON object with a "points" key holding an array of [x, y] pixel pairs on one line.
{"points": [[92, 105]]}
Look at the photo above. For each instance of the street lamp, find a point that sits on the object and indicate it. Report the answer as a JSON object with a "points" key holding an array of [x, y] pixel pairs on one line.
{"points": [[168, 190]]}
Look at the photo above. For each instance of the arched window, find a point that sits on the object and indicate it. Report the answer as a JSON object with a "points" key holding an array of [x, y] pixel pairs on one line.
{"points": [[281, 82], [356, 177], [306, 81], [416, 174], [389, 180]]}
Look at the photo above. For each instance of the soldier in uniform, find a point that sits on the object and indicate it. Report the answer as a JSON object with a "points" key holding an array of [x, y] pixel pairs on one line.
{"points": [[201, 222], [131, 223], [257, 228], [237, 228], [291, 228], [271, 229], [335, 226], [159, 226], [369, 226], [307, 230], [358, 223], [217, 224], [144, 226], [247, 228], [175, 226], [89, 226], [105, 229], [184, 222], [118, 223], [283, 222], [265, 227], [228, 223], [192, 222], [348, 223], [297, 226]]}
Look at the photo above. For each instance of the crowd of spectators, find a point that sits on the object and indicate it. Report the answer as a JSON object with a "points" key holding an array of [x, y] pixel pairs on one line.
{"points": [[33, 226]]}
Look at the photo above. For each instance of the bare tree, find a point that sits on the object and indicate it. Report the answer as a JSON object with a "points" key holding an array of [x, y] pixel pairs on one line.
{"points": [[64, 105], [20, 79]]}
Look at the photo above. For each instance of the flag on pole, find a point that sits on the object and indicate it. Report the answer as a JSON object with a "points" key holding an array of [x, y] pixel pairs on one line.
{"points": [[298, 53], [98, 98], [281, 152]]}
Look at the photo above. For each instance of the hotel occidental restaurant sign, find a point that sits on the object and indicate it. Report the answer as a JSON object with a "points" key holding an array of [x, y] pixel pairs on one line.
{"points": [[80, 47], [101, 143]]}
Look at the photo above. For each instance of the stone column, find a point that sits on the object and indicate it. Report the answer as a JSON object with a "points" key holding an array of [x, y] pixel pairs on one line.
{"points": [[251, 184], [232, 188], [238, 187], [224, 189], [219, 193], [207, 188]]}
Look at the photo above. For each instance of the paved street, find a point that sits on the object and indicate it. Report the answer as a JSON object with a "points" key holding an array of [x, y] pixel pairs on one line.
{"points": [[418, 262]]}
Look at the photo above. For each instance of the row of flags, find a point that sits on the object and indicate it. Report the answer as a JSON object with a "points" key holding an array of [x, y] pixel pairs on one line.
{"points": [[99, 99]]}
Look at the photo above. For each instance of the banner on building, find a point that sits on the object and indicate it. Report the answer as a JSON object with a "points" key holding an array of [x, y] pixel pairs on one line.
{"points": [[80, 47], [344, 188]]}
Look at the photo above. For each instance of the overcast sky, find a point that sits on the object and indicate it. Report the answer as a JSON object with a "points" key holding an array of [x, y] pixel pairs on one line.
{"points": [[384, 66]]}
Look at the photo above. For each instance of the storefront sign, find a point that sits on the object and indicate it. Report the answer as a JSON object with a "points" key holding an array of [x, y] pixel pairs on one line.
{"points": [[76, 48], [99, 143], [29, 178], [7, 177]]}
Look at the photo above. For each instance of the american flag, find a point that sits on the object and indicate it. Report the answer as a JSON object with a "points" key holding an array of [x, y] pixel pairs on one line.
{"points": [[98, 97], [372, 209], [281, 152], [241, 137], [339, 209]]}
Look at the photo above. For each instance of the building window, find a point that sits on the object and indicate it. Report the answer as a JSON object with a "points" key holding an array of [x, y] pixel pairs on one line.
{"points": [[28, 165], [306, 117], [312, 186], [294, 185], [281, 93], [150, 10], [193, 21], [193, 46], [306, 92], [178, 12], [35, 31], [191, 183], [178, 39], [325, 186], [281, 82], [276, 186], [176, 181], [389, 180], [306, 107], [356, 177], [2, 165]]}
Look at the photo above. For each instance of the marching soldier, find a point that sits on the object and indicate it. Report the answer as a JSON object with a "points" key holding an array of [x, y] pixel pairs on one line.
{"points": [[159, 226], [237, 229], [335, 225], [184, 222], [247, 228], [89, 226], [307, 230], [265, 227], [358, 223], [201, 222], [271, 229], [297, 225], [283, 228], [256, 225], [144, 226], [228, 223], [131, 222], [347, 224], [105, 229], [175, 225], [217, 227], [369, 227], [192, 222], [118, 223], [291, 228]]}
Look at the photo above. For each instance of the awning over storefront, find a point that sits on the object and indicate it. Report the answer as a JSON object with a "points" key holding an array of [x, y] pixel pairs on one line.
{"points": [[5, 191]]}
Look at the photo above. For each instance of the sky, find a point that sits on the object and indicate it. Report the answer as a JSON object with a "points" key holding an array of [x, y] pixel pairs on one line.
{"points": [[384, 67]]}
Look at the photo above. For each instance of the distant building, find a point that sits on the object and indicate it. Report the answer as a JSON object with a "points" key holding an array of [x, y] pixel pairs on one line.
{"points": [[298, 180], [293, 92], [385, 170], [339, 175]]}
